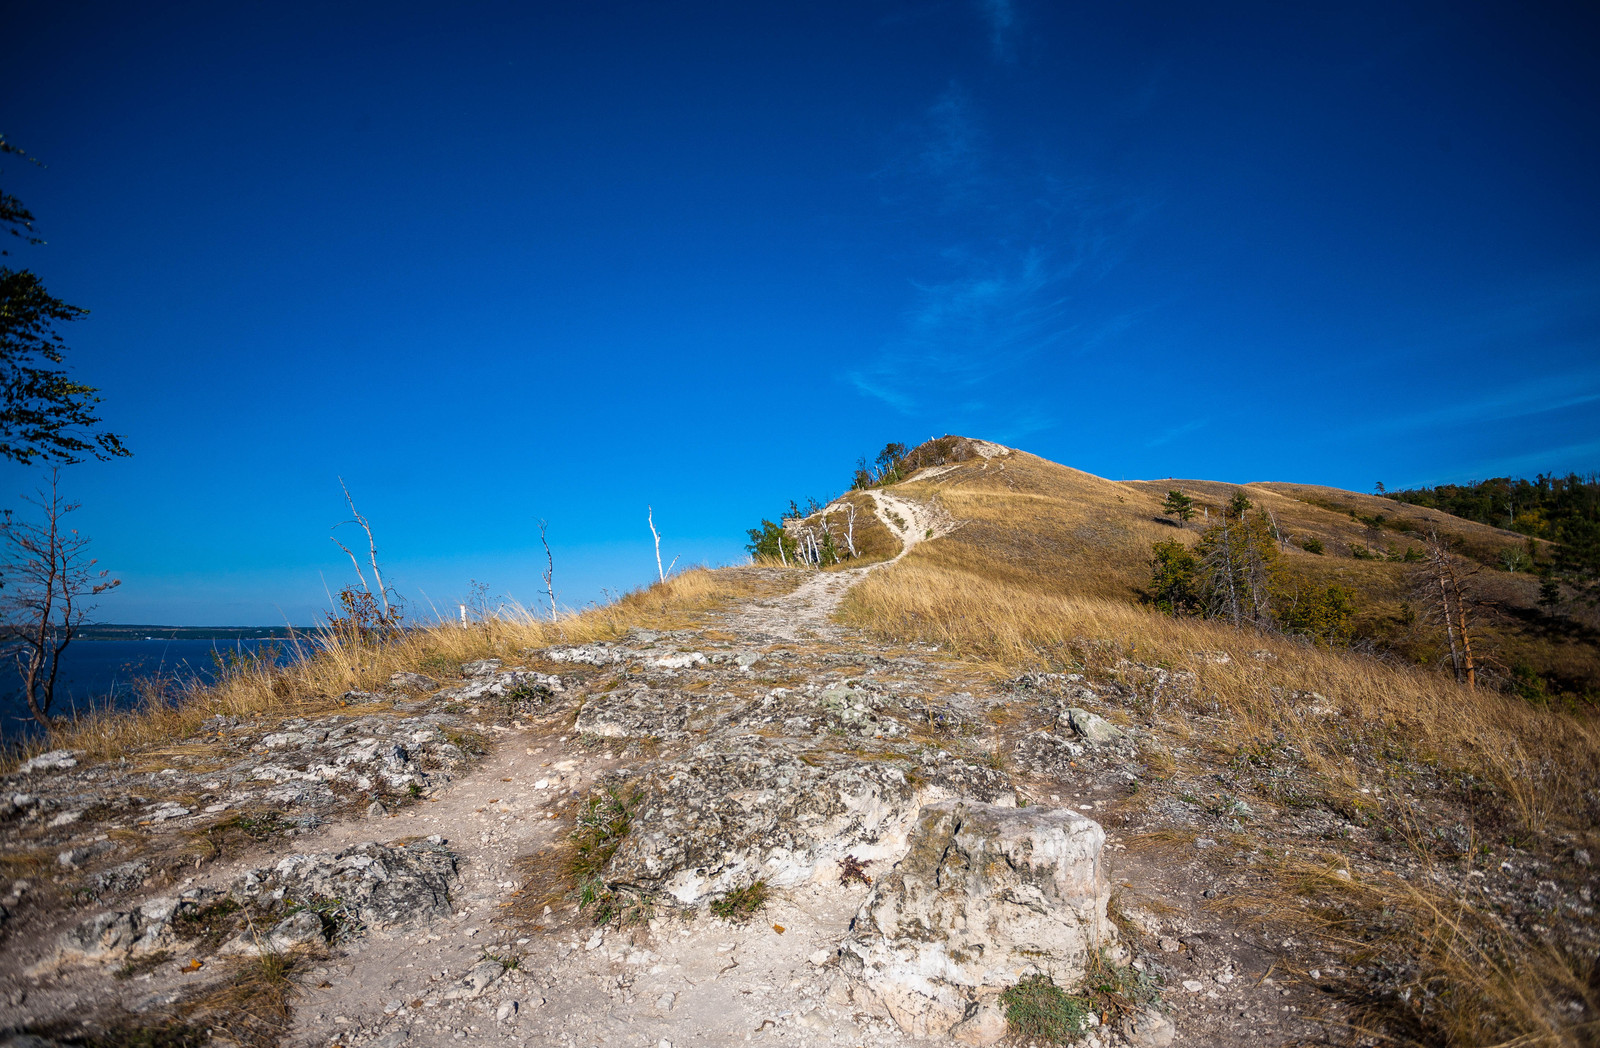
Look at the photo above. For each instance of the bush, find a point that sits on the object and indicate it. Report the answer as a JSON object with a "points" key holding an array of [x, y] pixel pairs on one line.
{"points": [[1039, 1010], [1326, 615], [1172, 578], [1312, 545]]}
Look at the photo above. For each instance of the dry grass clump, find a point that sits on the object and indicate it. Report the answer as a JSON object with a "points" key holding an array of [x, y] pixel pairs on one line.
{"points": [[1542, 762], [334, 663], [1466, 973], [1462, 974]]}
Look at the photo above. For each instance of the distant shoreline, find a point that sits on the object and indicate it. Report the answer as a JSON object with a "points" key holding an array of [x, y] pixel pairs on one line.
{"points": [[98, 631]]}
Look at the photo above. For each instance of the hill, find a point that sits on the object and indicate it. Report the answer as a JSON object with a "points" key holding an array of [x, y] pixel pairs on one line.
{"points": [[963, 780]]}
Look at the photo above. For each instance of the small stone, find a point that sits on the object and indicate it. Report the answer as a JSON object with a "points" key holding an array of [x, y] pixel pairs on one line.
{"points": [[1192, 985], [506, 1012], [984, 1026], [1150, 1029], [1092, 726], [393, 1006], [376, 810], [666, 1001], [1169, 945]]}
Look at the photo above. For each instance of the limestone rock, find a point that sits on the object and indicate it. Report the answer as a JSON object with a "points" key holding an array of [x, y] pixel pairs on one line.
{"points": [[728, 815], [378, 885], [1092, 726], [986, 1025], [55, 760], [1149, 1029], [633, 713], [586, 654], [985, 895]]}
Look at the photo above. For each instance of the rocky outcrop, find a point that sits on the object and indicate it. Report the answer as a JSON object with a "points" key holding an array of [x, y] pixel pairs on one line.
{"points": [[985, 895], [727, 816], [302, 899]]}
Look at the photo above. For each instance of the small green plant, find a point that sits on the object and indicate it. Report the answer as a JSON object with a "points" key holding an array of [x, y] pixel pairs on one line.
{"points": [[510, 962], [741, 903], [1312, 545], [1039, 1010], [208, 925], [439, 665], [140, 965]]}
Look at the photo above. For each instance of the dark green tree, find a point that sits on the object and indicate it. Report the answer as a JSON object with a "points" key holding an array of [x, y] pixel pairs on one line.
{"points": [[1173, 570], [1178, 505], [1238, 504], [45, 415]]}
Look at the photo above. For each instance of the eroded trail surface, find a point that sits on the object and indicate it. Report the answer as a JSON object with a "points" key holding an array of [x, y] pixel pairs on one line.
{"points": [[794, 835]]}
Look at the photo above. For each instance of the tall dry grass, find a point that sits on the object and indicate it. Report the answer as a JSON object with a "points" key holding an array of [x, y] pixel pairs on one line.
{"points": [[1471, 975], [331, 663]]}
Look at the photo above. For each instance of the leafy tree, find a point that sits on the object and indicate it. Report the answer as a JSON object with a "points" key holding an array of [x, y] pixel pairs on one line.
{"points": [[770, 540], [44, 414], [1563, 510], [1325, 614], [1173, 583]]}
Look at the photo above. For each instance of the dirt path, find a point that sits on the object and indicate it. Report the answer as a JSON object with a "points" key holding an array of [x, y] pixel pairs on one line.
{"points": [[773, 677], [807, 612]]}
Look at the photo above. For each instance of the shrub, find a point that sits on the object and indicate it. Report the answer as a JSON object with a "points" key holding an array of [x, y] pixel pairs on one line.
{"points": [[1039, 1010], [741, 903], [1172, 578], [1312, 545]]}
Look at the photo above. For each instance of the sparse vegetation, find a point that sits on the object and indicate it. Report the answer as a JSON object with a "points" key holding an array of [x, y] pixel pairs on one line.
{"points": [[1035, 580], [328, 665], [742, 903]]}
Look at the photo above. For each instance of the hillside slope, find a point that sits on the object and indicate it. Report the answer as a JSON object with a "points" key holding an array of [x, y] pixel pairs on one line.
{"points": [[961, 787]]}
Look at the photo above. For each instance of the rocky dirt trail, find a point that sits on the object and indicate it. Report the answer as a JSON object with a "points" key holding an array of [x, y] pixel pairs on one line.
{"points": [[801, 837]]}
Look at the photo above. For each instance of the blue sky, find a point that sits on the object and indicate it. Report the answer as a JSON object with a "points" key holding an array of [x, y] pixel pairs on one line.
{"points": [[497, 263]]}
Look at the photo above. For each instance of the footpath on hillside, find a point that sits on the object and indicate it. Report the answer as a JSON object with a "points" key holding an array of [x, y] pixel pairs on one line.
{"points": [[794, 834]]}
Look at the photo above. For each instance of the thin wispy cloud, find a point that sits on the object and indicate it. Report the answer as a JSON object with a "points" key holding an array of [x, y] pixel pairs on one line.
{"points": [[1169, 435], [1001, 18], [1022, 245]]}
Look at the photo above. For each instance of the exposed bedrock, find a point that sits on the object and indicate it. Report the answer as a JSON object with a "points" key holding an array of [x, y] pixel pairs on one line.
{"points": [[984, 896]]}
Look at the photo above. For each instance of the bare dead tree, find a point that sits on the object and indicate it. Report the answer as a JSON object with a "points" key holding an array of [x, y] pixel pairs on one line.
{"points": [[49, 579], [650, 515], [1442, 583], [549, 572], [850, 528], [382, 592]]}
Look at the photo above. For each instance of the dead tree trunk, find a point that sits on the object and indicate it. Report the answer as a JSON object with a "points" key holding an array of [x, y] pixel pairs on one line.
{"points": [[47, 580], [549, 572], [372, 553], [650, 515], [1450, 606]]}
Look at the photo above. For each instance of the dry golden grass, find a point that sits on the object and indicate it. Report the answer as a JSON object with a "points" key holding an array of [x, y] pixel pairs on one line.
{"points": [[333, 665], [1043, 575]]}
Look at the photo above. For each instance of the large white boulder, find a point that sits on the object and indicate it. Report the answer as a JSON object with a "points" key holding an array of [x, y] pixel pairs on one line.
{"points": [[985, 895]]}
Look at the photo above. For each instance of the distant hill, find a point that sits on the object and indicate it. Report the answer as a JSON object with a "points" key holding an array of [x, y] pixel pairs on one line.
{"points": [[1042, 526]]}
